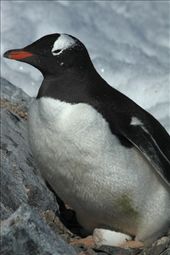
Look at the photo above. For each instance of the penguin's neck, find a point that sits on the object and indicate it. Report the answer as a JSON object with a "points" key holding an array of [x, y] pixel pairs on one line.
{"points": [[72, 86]]}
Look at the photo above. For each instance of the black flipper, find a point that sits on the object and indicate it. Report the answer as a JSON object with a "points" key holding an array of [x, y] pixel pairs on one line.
{"points": [[142, 139]]}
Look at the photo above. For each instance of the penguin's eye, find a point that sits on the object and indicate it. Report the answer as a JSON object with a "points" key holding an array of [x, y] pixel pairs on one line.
{"points": [[56, 51]]}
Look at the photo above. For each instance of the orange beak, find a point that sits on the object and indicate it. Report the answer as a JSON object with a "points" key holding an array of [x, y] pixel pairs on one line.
{"points": [[17, 54]]}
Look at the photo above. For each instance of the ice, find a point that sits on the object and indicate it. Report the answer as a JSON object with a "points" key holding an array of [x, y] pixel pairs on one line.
{"points": [[128, 41]]}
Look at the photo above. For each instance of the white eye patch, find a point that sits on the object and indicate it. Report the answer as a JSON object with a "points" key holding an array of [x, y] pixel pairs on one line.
{"points": [[63, 42]]}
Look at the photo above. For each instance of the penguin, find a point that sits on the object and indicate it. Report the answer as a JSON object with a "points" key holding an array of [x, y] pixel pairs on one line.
{"points": [[103, 155]]}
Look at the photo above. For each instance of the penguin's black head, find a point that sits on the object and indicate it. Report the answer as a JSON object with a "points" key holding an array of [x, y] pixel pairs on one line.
{"points": [[53, 54]]}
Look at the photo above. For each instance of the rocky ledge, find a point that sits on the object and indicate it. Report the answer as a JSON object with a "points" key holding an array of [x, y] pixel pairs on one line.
{"points": [[31, 214]]}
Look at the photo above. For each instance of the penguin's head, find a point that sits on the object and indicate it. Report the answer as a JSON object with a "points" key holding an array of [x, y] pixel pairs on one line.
{"points": [[53, 54]]}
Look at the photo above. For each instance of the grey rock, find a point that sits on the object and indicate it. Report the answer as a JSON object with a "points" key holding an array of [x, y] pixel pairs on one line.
{"points": [[20, 180], [160, 247], [25, 233], [13, 93]]}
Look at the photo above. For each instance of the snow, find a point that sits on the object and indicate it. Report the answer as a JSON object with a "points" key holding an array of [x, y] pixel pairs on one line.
{"points": [[128, 41]]}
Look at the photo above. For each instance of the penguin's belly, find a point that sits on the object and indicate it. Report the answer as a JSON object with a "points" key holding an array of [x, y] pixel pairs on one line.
{"points": [[107, 184]]}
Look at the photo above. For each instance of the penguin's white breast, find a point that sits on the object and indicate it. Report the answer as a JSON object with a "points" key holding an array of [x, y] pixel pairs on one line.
{"points": [[83, 160], [78, 133]]}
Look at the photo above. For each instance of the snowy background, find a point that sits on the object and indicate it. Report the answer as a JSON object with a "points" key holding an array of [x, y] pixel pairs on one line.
{"points": [[128, 41]]}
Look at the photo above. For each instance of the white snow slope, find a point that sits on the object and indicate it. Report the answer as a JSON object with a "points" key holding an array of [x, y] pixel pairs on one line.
{"points": [[128, 41]]}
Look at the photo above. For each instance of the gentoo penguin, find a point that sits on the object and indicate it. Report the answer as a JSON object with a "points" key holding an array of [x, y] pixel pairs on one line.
{"points": [[103, 155]]}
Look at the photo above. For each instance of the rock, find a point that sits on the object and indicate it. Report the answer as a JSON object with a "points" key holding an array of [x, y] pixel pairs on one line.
{"points": [[25, 233], [29, 224], [160, 247], [20, 180]]}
